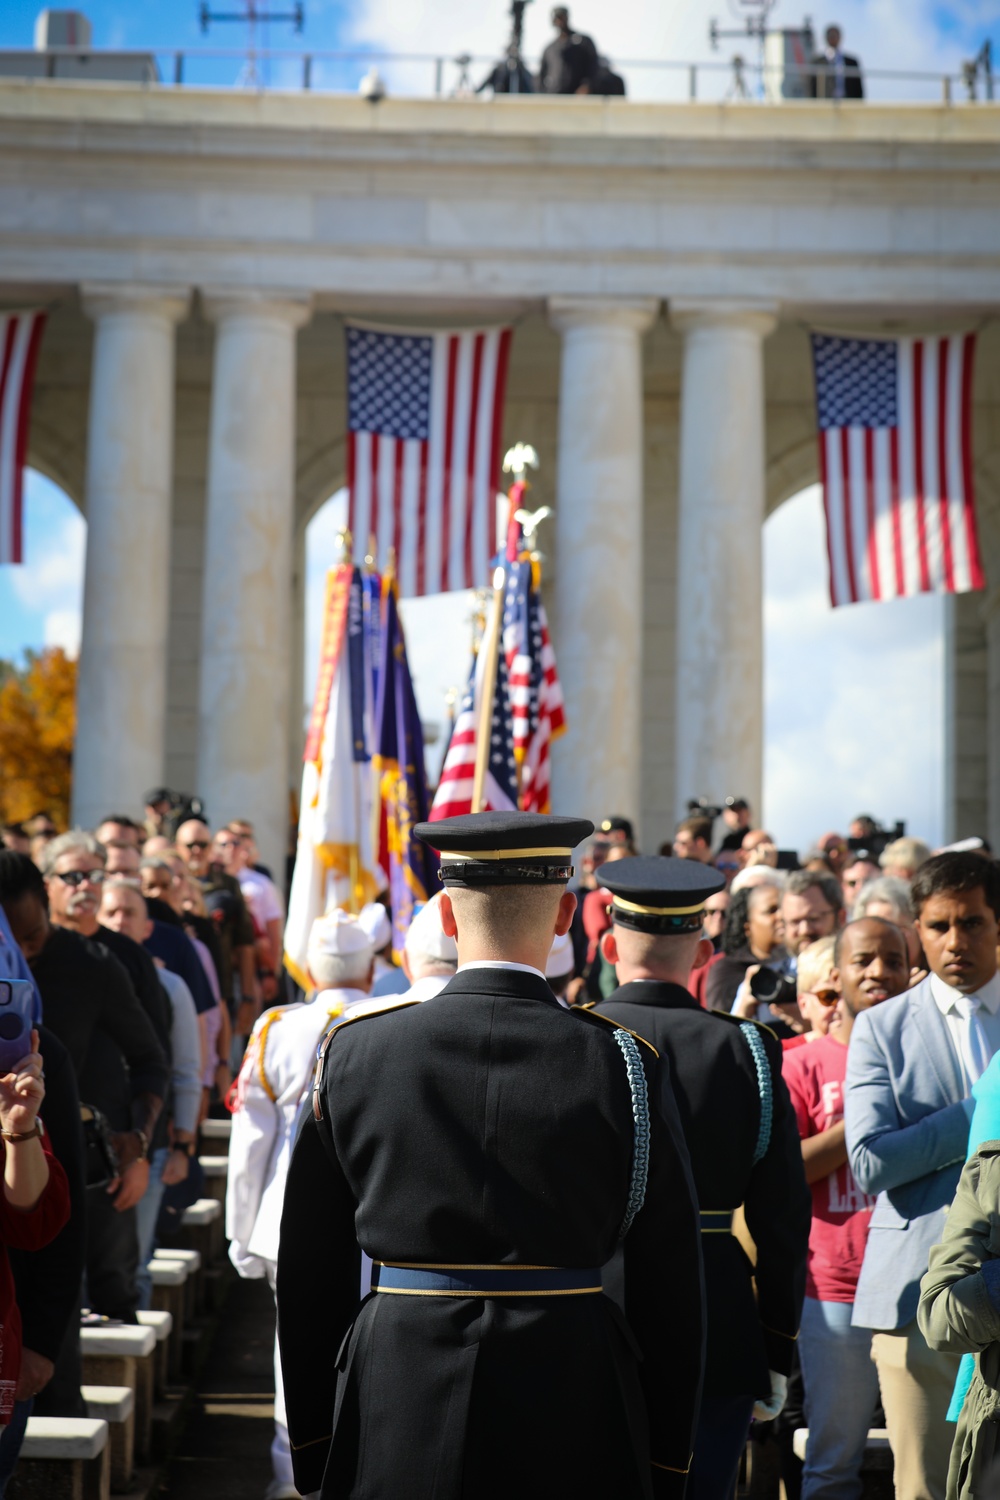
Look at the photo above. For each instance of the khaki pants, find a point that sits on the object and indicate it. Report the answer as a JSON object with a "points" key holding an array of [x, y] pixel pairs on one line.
{"points": [[916, 1386]]}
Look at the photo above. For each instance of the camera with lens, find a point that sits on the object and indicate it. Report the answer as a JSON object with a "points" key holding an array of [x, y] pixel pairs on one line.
{"points": [[771, 988], [700, 807]]}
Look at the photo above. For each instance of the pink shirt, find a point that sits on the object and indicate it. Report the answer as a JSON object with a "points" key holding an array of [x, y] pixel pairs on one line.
{"points": [[841, 1211]]}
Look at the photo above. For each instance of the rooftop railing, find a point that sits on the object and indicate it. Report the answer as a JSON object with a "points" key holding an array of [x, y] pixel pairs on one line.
{"points": [[462, 75]]}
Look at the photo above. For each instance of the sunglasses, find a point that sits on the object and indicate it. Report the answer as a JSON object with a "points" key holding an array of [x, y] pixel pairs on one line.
{"points": [[196, 844], [78, 877], [826, 997]]}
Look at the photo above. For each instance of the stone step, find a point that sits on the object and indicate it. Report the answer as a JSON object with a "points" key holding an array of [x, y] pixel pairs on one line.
{"points": [[63, 1458], [115, 1404]]}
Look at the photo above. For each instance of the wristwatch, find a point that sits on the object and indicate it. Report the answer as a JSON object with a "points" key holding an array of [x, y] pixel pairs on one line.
{"points": [[15, 1139], [188, 1147], [143, 1143]]}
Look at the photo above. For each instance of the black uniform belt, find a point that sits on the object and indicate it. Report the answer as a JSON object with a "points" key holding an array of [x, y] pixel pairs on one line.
{"points": [[716, 1220], [484, 1281]]}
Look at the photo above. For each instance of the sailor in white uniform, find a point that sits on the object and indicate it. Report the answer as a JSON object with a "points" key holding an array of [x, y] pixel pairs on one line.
{"points": [[275, 1077]]}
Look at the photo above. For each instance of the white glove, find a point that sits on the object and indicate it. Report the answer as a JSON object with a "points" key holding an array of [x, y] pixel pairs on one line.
{"points": [[766, 1410]]}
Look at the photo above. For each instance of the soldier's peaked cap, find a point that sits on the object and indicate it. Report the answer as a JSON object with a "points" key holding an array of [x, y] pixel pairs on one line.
{"points": [[660, 895], [505, 848]]}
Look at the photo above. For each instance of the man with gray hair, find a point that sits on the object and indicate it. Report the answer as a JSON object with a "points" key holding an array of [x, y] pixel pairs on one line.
{"points": [[904, 857], [272, 1084]]}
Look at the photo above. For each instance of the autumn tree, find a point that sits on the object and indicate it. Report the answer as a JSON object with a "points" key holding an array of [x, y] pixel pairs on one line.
{"points": [[37, 725]]}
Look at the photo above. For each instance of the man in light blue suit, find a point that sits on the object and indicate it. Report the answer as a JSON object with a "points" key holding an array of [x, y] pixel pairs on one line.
{"points": [[910, 1069]]}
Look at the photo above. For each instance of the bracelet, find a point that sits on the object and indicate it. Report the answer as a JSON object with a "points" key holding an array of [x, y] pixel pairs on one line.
{"points": [[28, 1135], [143, 1143]]}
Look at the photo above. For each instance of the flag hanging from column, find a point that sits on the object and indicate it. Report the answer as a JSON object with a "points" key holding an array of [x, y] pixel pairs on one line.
{"points": [[423, 451], [895, 449], [20, 336]]}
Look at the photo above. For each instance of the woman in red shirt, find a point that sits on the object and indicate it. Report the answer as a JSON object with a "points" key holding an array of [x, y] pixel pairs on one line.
{"points": [[34, 1206]]}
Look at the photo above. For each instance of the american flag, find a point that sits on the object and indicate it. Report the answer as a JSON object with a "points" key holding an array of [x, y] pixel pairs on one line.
{"points": [[454, 794], [20, 335], [536, 698], [423, 451], [895, 448]]}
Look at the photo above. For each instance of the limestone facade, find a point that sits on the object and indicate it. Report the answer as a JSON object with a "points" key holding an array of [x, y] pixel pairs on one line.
{"points": [[662, 264]]}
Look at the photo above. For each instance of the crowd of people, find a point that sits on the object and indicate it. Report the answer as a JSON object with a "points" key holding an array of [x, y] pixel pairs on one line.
{"points": [[825, 1026], [144, 952]]}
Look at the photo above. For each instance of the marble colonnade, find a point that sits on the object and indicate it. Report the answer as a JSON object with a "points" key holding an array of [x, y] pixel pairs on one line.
{"points": [[598, 608]]}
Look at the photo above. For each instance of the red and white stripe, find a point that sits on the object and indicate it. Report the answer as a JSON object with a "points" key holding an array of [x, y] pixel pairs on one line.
{"points": [[434, 501], [536, 771], [899, 501], [20, 336]]}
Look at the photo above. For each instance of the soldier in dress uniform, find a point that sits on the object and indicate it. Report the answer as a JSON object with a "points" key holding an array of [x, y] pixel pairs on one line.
{"points": [[277, 1070], [744, 1145], [494, 1153]]}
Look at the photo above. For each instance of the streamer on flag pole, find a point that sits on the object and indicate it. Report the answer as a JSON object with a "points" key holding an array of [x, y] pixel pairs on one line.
{"points": [[423, 450], [895, 449], [20, 336]]}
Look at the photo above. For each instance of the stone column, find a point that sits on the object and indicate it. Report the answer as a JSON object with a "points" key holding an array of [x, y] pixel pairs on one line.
{"points": [[598, 596], [719, 708], [246, 611], [122, 692]]}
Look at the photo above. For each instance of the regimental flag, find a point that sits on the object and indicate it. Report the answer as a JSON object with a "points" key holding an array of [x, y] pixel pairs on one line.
{"points": [[402, 777], [334, 861], [895, 447], [20, 336], [423, 451], [454, 793]]}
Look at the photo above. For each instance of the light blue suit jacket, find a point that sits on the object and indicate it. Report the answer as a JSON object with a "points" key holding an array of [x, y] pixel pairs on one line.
{"points": [[907, 1124]]}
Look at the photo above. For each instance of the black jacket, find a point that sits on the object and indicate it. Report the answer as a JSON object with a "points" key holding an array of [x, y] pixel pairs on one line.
{"points": [[823, 83], [714, 1078], [87, 997], [48, 1280], [487, 1125]]}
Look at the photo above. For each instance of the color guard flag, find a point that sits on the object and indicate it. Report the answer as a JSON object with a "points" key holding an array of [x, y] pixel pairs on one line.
{"points": [[424, 413], [453, 797], [895, 449], [402, 777], [20, 336], [535, 693], [334, 860]]}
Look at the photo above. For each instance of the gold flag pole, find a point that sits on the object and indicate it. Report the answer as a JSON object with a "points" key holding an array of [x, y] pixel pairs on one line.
{"points": [[484, 724]]}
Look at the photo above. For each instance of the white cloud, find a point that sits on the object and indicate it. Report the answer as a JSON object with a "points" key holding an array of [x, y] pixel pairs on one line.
{"points": [[62, 628], [853, 697]]}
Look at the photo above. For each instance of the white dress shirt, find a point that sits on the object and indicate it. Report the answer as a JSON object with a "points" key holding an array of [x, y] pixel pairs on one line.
{"points": [[500, 963], [948, 1001]]}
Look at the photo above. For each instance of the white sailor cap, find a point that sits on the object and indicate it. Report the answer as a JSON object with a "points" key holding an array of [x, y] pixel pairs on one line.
{"points": [[427, 937], [375, 920], [340, 934], [560, 959]]}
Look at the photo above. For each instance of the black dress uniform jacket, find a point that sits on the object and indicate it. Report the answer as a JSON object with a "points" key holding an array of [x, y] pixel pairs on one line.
{"points": [[714, 1080], [487, 1126]]}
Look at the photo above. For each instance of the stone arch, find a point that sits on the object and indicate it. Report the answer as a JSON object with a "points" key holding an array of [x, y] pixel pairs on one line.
{"points": [[322, 475]]}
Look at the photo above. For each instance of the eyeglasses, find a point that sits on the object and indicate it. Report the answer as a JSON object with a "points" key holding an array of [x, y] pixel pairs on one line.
{"points": [[815, 916], [195, 844], [227, 844], [77, 877]]}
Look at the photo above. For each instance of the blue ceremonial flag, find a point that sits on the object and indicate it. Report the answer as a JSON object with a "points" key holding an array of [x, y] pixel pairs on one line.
{"points": [[402, 778]]}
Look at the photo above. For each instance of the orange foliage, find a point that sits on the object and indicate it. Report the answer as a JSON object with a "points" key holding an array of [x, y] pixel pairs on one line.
{"points": [[37, 725]]}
